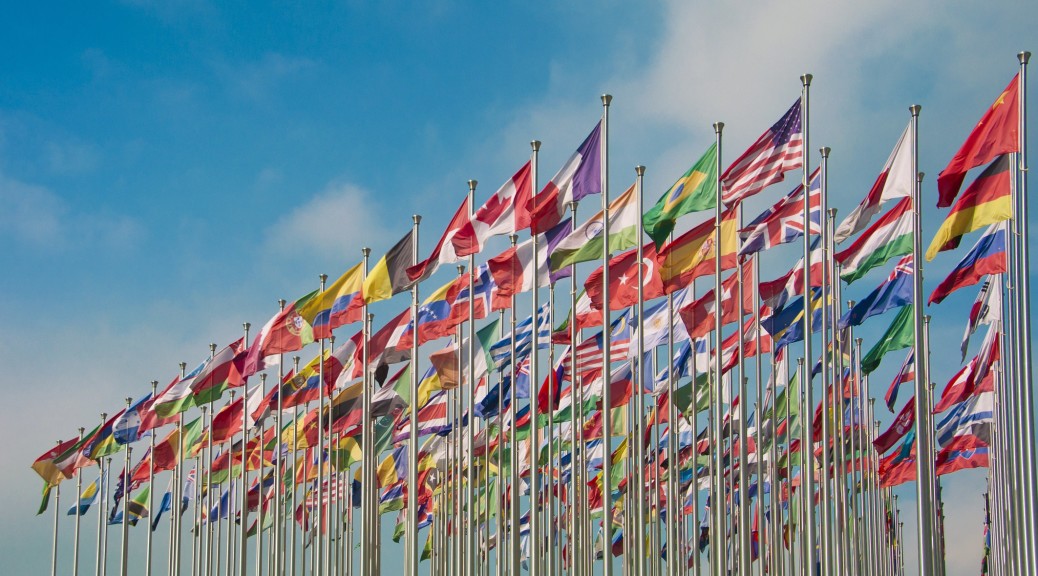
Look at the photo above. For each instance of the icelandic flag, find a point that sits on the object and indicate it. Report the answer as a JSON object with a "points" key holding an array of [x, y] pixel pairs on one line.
{"points": [[894, 292]]}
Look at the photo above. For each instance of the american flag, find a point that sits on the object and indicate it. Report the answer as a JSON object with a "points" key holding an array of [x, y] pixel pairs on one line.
{"points": [[784, 222], [776, 152], [589, 352]]}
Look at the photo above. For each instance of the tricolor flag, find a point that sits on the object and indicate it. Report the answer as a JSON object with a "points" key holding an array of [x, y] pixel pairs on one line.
{"points": [[963, 452], [339, 304], [581, 176], [986, 201], [895, 291], [996, 133], [784, 222], [586, 242], [691, 255], [389, 275], [503, 213], [776, 152], [890, 236], [988, 256], [895, 181], [444, 252], [696, 190]]}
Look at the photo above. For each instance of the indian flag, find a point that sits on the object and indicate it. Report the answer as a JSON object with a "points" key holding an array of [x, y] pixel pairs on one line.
{"points": [[890, 236], [585, 243]]}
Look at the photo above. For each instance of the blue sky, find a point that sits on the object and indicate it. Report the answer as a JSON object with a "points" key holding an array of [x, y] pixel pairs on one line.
{"points": [[169, 169]]}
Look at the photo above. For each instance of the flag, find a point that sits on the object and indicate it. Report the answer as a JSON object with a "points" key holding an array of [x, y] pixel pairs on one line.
{"points": [[962, 453], [165, 504], [699, 316], [389, 275], [503, 213], [975, 377], [174, 399], [444, 252], [691, 255], [623, 279], [45, 464], [786, 325], [395, 395], [972, 416], [339, 304], [890, 236], [904, 422], [986, 309], [996, 133], [227, 420], [905, 375], [988, 256], [224, 370], [895, 181], [382, 347], [986, 201], [784, 222], [103, 443], [86, 498], [776, 152], [895, 291], [127, 427], [76, 456], [287, 331], [585, 243], [776, 293], [169, 451], [899, 335], [434, 318], [589, 352], [587, 316], [581, 176], [513, 271], [136, 508], [483, 289], [696, 190]]}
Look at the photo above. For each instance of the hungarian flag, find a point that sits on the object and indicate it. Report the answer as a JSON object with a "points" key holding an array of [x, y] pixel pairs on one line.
{"points": [[699, 316], [580, 177], [503, 213], [988, 256], [692, 254], [623, 279], [895, 181], [776, 152], [696, 190], [389, 275], [985, 202], [444, 252], [339, 304], [998, 132]]}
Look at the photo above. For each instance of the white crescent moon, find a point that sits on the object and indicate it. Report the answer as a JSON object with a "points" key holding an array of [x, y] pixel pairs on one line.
{"points": [[648, 270]]}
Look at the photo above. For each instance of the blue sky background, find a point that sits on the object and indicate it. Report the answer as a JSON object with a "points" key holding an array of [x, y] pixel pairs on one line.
{"points": [[169, 169]]}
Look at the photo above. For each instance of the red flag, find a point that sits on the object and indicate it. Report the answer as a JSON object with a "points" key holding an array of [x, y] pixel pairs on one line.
{"points": [[227, 422], [998, 132], [287, 331], [444, 252], [623, 279], [699, 317], [898, 428], [503, 213]]}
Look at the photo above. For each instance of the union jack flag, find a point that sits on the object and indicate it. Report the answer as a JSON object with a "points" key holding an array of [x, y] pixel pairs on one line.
{"points": [[776, 152], [784, 222]]}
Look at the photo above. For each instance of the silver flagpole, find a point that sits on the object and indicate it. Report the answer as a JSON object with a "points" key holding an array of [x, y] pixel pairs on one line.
{"points": [[123, 566], [829, 557], [243, 527], [674, 545], [923, 454], [366, 440], [743, 523], [290, 525], [1025, 411], [461, 535], [639, 398], [499, 528], [536, 560], [151, 493], [79, 497], [259, 487], [277, 536], [607, 427], [717, 500], [208, 554], [318, 566], [412, 445], [576, 545], [104, 524], [513, 464], [54, 539], [805, 560], [759, 419], [100, 513], [471, 523]]}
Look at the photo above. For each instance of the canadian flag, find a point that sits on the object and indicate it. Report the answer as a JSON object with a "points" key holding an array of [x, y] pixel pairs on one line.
{"points": [[503, 213]]}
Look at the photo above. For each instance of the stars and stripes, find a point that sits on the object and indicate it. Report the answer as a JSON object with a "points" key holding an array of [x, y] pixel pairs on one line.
{"points": [[776, 152]]}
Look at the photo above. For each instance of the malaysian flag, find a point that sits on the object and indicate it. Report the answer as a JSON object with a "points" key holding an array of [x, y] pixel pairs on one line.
{"points": [[776, 152], [784, 222]]}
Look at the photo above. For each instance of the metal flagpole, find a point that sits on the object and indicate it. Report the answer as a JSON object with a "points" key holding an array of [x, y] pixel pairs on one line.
{"points": [[805, 561], [923, 454], [536, 560], [830, 560], [412, 445], [277, 535], [79, 497], [151, 499], [499, 527], [366, 440], [576, 546], [674, 546], [607, 425], [123, 567], [639, 398], [717, 556], [513, 463], [54, 540], [103, 485], [743, 522], [759, 419], [461, 535], [208, 554], [243, 526], [471, 520]]}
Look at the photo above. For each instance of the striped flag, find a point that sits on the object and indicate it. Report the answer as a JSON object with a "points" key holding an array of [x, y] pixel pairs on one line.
{"points": [[895, 181], [776, 152], [905, 375]]}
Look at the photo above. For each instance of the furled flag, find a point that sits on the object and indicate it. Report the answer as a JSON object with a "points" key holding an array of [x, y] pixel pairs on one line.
{"points": [[696, 190], [962, 453], [623, 279], [985, 202], [895, 181], [890, 236], [777, 292], [996, 133], [503, 213], [87, 498], [339, 304], [784, 222], [513, 270], [389, 275], [899, 335], [776, 152], [905, 375], [699, 316], [986, 309], [901, 425], [692, 254], [895, 291], [988, 256], [581, 176], [287, 331], [443, 252], [972, 416], [585, 243], [165, 504]]}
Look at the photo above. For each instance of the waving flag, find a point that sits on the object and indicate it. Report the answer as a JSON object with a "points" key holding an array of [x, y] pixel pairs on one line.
{"points": [[899, 335], [581, 176], [776, 152], [287, 331], [699, 316], [986, 309], [963, 452], [434, 317], [988, 256], [444, 252], [784, 222], [696, 190], [586, 242], [895, 181], [895, 291], [890, 236], [127, 427], [975, 377], [483, 287], [996, 133], [513, 269], [87, 498], [222, 371], [339, 304], [901, 425], [623, 279], [791, 284], [691, 255], [389, 275], [503, 213], [973, 416], [46, 466], [986, 201], [905, 375]]}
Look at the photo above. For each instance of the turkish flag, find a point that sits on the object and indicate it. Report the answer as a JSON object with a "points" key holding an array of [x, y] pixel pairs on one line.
{"points": [[623, 279]]}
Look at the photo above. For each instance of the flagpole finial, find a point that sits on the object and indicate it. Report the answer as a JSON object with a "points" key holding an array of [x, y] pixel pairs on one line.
{"points": [[513, 238], [919, 177], [606, 99], [365, 251], [281, 303], [535, 145], [129, 400], [154, 385], [202, 408], [639, 170], [212, 347], [832, 213], [472, 185], [183, 367], [914, 109], [81, 429], [572, 206], [850, 304], [246, 325], [805, 79], [331, 340], [417, 218], [1024, 56], [324, 278], [825, 150], [858, 341], [461, 269], [263, 378], [718, 126]]}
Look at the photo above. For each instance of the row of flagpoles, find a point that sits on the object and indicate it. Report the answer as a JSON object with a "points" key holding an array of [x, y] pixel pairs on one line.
{"points": [[546, 451]]}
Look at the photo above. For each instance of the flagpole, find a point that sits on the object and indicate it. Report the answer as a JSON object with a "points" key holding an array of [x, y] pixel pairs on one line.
{"points": [[367, 443], [470, 473], [576, 447], [102, 488], [79, 497], [54, 538], [743, 522], [674, 549], [500, 475], [208, 565], [278, 533], [639, 398], [460, 541], [759, 419], [412, 445], [607, 428], [123, 567]]}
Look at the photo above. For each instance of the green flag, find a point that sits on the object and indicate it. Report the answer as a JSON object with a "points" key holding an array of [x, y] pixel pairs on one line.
{"points": [[900, 335], [695, 191]]}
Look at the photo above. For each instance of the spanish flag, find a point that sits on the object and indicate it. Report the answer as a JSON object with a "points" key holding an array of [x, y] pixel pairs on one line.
{"points": [[692, 254], [985, 202]]}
